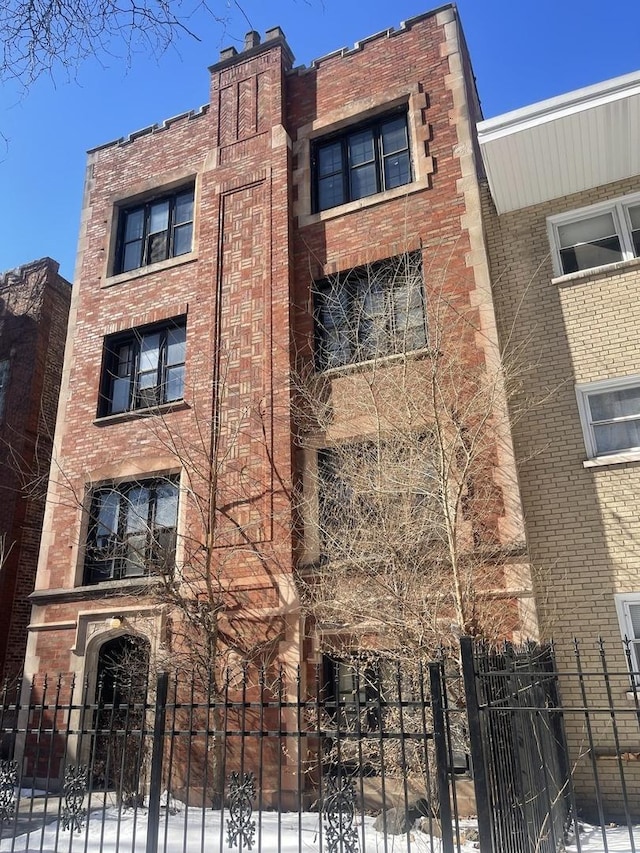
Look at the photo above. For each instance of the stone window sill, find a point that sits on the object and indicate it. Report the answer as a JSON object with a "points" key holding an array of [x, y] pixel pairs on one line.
{"points": [[359, 204], [596, 272], [135, 414], [613, 459], [121, 278]]}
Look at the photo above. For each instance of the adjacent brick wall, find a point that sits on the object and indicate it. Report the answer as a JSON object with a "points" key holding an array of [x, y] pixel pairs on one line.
{"points": [[34, 306]]}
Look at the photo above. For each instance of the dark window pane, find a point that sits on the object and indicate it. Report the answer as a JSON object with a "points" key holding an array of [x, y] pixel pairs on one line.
{"points": [[158, 247], [361, 148], [184, 208], [120, 394], [159, 216], [132, 256], [135, 562], [373, 327], [134, 225], [329, 159], [363, 181], [588, 255], [125, 360], [635, 236], [397, 171], [363, 162], [330, 192], [369, 312], [394, 135], [133, 527], [174, 387], [336, 337], [182, 239]]}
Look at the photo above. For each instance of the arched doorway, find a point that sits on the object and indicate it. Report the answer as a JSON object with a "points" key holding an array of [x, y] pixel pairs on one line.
{"points": [[119, 749]]}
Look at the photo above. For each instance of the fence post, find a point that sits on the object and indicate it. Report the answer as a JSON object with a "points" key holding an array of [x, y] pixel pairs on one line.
{"points": [[477, 753], [157, 750], [442, 764]]}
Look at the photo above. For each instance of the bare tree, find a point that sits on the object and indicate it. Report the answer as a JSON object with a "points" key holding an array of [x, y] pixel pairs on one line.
{"points": [[402, 445], [44, 38]]}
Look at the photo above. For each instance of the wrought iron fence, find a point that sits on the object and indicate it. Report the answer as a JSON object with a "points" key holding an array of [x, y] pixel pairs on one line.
{"points": [[370, 758], [269, 762], [554, 743]]}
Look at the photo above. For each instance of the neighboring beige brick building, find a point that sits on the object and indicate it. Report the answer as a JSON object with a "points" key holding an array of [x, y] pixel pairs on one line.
{"points": [[562, 231]]}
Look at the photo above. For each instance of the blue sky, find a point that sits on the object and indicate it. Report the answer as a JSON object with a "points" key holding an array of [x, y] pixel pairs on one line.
{"points": [[522, 51]]}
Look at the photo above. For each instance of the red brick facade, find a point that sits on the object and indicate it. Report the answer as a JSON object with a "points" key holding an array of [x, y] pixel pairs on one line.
{"points": [[245, 289], [34, 307]]}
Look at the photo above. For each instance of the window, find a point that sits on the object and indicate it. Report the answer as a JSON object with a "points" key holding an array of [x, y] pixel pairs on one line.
{"points": [[4, 383], [354, 689], [370, 312], [154, 231], [362, 161], [628, 609], [132, 530], [596, 236], [143, 368], [610, 415], [376, 496]]}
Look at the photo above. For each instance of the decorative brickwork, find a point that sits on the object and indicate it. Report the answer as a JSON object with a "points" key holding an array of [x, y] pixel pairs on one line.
{"points": [[245, 288]]}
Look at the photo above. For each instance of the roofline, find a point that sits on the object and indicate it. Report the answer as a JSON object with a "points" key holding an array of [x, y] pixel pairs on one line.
{"points": [[563, 105]]}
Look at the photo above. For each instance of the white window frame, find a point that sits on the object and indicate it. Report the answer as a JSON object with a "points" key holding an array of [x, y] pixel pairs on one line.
{"points": [[618, 207], [622, 601], [586, 389]]}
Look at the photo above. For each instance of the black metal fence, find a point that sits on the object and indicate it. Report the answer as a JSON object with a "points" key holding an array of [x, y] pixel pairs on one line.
{"points": [[554, 738], [368, 757]]}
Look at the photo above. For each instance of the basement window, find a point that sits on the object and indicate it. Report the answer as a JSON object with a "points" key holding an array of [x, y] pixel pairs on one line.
{"points": [[353, 691], [361, 161], [143, 368], [155, 230], [132, 530], [596, 236]]}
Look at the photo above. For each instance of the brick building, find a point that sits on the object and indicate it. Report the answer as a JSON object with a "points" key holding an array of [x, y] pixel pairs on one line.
{"points": [[228, 259], [563, 247], [34, 307]]}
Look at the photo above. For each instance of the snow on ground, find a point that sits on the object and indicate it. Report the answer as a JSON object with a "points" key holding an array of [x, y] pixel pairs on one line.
{"points": [[193, 831], [618, 840], [110, 831]]}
